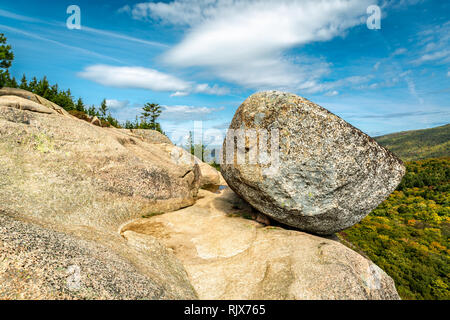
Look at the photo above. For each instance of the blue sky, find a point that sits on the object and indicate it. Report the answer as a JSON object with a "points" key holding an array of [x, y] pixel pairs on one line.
{"points": [[201, 58]]}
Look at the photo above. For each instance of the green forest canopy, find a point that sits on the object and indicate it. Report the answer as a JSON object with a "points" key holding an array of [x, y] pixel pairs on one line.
{"points": [[408, 234]]}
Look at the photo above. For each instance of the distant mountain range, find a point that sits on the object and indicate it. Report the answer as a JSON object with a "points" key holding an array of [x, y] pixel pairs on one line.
{"points": [[418, 144]]}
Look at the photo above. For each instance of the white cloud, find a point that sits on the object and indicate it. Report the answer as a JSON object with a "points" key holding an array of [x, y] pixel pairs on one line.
{"points": [[399, 3], [185, 113], [245, 41], [179, 94], [443, 55], [399, 51], [377, 66], [356, 82], [125, 9], [114, 104], [145, 78], [332, 93], [215, 89], [133, 77], [435, 42]]}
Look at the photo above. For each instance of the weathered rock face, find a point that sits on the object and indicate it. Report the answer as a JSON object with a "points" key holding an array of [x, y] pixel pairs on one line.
{"points": [[84, 182], [229, 257], [150, 136], [329, 174], [24, 104], [40, 263], [32, 97], [77, 169], [209, 177]]}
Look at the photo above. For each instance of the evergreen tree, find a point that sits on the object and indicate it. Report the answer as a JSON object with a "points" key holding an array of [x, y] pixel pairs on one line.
{"points": [[103, 109], [80, 105], [33, 84], [43, 88], [112, 121], [128, 125], [149, 115], [54, 90], [92, 111], [12, 83], [6, 58], [24, 83]]}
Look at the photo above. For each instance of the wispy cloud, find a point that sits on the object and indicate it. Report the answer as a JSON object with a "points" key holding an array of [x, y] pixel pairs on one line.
{"points": [[114, 104], [58, 43], [186, 113], [399, 52], [399, 115], [14, 16], [84, 28], [123, 37], [145, 78], [332, 93], [443, 56], [434, 41]]}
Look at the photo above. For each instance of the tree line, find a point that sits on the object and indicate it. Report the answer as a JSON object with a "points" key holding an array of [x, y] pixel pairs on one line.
{"points": [[147, 120]]}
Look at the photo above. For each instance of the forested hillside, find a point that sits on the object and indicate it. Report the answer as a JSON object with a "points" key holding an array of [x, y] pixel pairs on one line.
{"points": [[418, 144], [408, 234]]}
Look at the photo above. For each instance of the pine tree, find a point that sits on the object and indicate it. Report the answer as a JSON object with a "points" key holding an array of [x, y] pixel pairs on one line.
{"points": [[136, 123], [33, 85], [12, 83], [63, 99], [6, 58], [103, 109], [151, 111], [54, 90], [24, 83], [80, 105], [128, 125], [92, 111], [112, 121], [43, 88]]}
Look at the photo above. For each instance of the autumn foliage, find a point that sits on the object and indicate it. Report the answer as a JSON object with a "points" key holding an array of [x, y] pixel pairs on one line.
{"points": [[408, 234]]}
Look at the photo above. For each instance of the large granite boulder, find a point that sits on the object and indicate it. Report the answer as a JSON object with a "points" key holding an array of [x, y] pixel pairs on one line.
{"points": [[323, 176], [229, 257], [66, 187]]}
